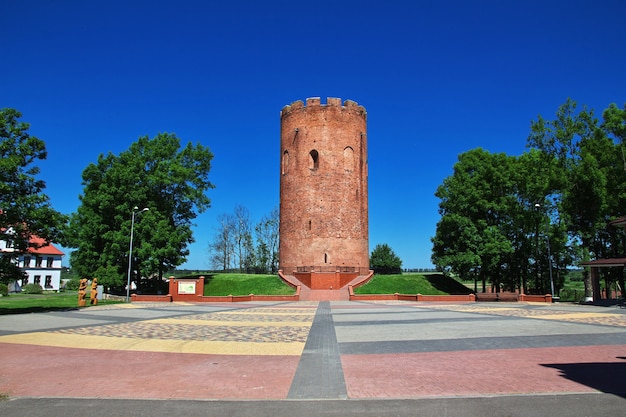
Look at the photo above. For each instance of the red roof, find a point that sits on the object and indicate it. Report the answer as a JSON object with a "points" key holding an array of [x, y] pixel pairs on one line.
{"points": [[48, 249]]}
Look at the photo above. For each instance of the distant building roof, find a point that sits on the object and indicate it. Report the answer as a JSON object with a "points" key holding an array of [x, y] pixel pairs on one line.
{"points": [[43, 248]]}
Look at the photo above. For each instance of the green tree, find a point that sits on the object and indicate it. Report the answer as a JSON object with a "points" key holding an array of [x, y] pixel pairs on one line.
{"points": [[233, 247], [383, 260], [223, 247], [538, 179], [593, 191], [243, 238], [154, 173], [25, 209], [267, 242], [515, 221], [473, 237]]}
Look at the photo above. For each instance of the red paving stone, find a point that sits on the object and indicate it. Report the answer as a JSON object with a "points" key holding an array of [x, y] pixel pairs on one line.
{"points": [[68, 372], [484, 372], [39, 371], [324, 295]]}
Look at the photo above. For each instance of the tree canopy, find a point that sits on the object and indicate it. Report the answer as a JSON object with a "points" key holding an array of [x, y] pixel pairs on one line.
{"points": [[233, 246], [153, 173], [383, 260], [512, 221], [25, 209]]}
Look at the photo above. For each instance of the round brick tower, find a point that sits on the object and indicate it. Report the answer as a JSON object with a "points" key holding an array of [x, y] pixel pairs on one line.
{"points": [[323, 188]]}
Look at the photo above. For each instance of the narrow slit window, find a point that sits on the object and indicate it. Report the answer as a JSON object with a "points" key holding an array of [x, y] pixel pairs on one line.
{"points": [[285, 162], [314, 163]]}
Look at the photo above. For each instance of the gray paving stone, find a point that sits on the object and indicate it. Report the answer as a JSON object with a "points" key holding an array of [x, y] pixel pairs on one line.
{"points": [[319, 374], [480, 343]]}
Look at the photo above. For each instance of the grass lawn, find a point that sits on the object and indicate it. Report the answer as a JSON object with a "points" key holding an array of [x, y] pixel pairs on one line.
{"points": [[572, 290], [245, 284], [425, 284], [31, 303]]}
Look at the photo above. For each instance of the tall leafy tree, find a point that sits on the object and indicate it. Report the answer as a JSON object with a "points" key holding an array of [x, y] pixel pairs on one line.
{"points": [[538, 180], [561, 139], [158, 174], [521, 222], [591, 160], [472, 238], [25, 209]]}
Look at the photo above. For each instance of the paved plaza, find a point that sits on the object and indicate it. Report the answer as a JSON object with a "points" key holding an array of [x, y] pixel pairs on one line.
{"points": [[277, 358]]}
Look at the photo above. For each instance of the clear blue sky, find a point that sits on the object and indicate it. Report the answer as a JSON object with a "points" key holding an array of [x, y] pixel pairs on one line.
{"points": [[437, 78]]}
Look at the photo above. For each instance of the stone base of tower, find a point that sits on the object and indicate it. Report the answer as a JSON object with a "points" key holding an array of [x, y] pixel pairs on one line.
{"points": [[325, 280], [324, 286]]}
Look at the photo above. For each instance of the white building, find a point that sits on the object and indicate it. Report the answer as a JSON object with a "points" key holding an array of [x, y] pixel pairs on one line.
{"points": [[42, 264]]}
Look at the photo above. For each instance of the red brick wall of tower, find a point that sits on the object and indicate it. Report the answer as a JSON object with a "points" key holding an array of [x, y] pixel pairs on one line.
{"points": [[323, 186]]}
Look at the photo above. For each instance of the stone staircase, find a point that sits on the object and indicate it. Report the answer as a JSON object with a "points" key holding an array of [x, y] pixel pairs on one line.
{"points": [[308, 294]]}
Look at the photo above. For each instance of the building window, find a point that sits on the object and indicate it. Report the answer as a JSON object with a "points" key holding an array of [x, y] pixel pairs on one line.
{"points": [[37, 280], [26, 261], [24, 281], [285, 162], [314, 162], [48, 281], [49, 262], [348, 159], [38, 261], [325, 258]]}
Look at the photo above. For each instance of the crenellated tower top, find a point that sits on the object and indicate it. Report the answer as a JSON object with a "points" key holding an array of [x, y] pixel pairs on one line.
{"points": [[315, 102]]}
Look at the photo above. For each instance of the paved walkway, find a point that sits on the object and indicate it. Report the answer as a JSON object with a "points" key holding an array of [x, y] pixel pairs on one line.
{"points": [[422, 353]]}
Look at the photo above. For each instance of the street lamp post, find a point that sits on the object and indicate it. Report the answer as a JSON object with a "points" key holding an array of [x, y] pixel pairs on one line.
{"points": [[550, 267], [130, 250], [549, 256]]}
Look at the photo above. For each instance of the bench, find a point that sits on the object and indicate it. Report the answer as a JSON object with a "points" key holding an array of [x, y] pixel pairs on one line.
{"points": [[496, 296]]}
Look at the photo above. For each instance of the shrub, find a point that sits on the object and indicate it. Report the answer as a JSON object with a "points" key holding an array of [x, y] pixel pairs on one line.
{"points": [[4, 289], [32, 289], [72, 284]]}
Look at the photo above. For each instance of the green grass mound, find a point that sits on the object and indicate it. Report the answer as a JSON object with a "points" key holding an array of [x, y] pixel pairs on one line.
{"points": [[425, 284], [245, 284]]}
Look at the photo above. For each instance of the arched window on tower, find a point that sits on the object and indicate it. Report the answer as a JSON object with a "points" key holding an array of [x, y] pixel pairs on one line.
{"points": [[285, 163], [314, 162], [348, 159]]}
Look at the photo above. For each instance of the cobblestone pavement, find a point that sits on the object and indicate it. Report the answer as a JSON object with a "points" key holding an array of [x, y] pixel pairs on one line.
{"points": [[314, 350]]}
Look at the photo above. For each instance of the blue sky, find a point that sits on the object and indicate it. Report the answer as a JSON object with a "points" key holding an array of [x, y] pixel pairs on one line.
{"points": [[437, 78]]}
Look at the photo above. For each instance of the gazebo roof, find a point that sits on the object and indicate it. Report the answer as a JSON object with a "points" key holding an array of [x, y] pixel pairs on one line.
{"points": [[605, 263], [619, 222]]}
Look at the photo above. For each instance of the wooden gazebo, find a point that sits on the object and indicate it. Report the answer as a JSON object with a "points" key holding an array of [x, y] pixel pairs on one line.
{"points": [[604, 263]]}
